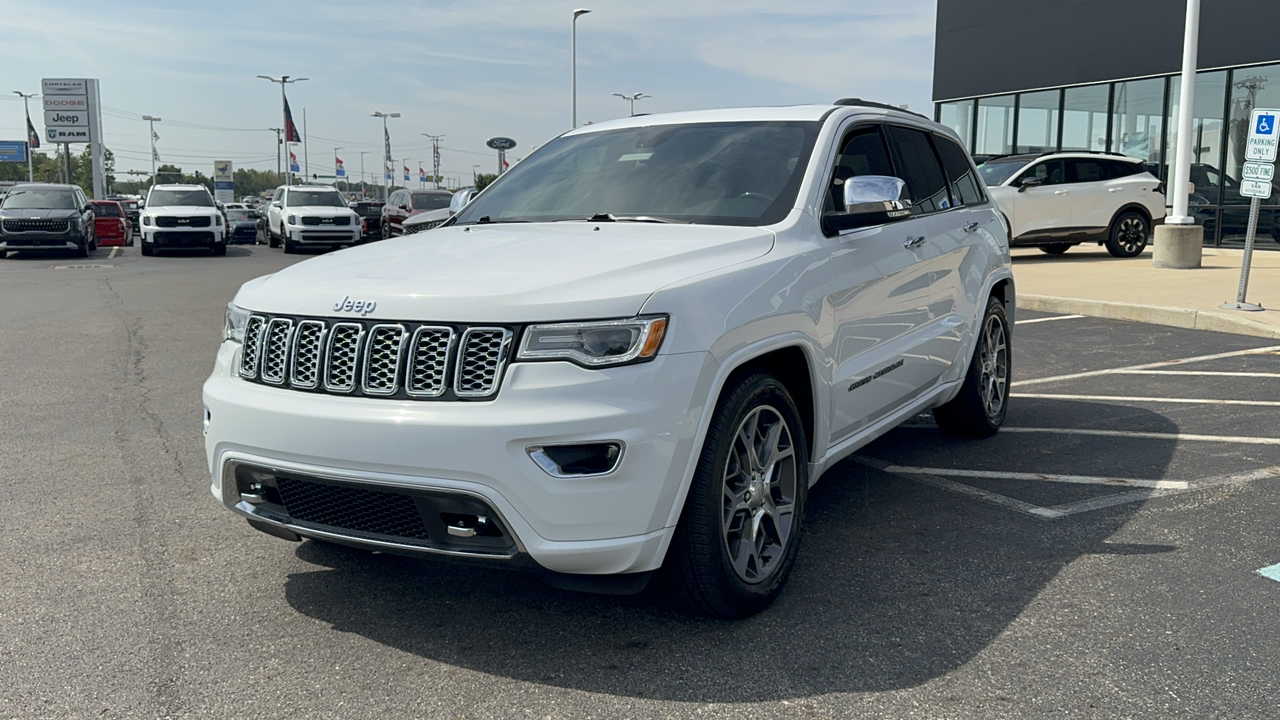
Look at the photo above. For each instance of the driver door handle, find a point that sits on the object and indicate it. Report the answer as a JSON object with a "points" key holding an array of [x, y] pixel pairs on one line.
{"points": [[913, 242], [971, 227], [1059, 192]]}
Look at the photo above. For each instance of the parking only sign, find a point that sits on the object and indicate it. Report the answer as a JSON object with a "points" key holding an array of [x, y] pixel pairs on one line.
{"points": [[1263, 136]]}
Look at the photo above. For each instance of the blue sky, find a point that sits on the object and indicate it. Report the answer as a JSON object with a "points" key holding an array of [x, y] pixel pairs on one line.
{"points": [[466, 70]]}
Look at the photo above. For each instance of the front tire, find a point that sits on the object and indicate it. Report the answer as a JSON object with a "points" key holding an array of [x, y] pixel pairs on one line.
{"points": [[219, 249], [740, 529], [289, 247], [979, 410], [385, 231], [148, 249], [1128, 236], [82, 251]]}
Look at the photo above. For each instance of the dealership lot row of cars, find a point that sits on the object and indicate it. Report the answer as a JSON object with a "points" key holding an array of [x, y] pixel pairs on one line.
{"points": [[44, 216]]}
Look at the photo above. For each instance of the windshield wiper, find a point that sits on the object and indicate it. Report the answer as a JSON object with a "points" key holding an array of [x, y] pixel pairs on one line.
{"points": [[486, 220], [610, 217]]}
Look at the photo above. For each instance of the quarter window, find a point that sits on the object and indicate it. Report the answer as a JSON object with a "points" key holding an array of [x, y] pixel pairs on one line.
{"points": [[920, 167], [964, 187]]}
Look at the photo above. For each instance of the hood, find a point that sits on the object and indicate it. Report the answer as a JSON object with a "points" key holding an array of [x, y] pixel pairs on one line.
{"points": [[319, 210], [508, 273], [182, 210], [39, 213], [428, 216]]}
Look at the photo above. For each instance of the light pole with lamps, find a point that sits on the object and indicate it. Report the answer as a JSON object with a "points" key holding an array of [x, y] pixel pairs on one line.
{"points": [[284, 103], [574, 60], [25, 97], [151, 124], [632, 99], [475, 170], [386, 161]]}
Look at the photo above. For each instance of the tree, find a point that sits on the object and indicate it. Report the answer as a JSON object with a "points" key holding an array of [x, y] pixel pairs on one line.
{"points": [[483, 180]]}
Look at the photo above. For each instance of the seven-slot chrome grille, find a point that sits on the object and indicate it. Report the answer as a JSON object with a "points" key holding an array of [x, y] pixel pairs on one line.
{"points": [[419, 361]]}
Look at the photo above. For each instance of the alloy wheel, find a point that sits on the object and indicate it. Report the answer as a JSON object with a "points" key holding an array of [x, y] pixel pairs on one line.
{"points": [[994, 354], [759, 495], [1132, 235]]}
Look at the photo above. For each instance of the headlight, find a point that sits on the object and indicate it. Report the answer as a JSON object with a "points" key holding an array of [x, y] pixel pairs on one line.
{"points": [[146, 219], [217, 220], [237, 318], [293, 219], [595, 344]]}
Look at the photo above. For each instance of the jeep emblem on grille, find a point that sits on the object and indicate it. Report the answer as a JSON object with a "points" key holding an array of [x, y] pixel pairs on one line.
{"points": [[362, 307]]}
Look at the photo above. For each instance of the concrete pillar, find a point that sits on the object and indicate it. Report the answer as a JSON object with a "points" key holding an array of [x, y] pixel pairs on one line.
{"points": [[1178, 247]]}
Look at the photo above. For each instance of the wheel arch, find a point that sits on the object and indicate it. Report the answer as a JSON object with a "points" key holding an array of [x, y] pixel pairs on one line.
{"points": [[1141, 209], [790, 365]]}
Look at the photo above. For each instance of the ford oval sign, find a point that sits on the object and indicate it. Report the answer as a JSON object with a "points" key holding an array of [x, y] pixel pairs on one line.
{"points": [[501, 143]]}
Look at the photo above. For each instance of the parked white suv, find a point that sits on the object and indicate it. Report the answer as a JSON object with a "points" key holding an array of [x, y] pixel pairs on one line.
{"points": [[182, 216], [631, 355], [311, 215], [1057, 200]]}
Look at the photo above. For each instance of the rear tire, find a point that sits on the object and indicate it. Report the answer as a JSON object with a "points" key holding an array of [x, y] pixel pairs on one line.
{"points": [[740, 529], [1128, 235], [1055, 249], [979, 410]]}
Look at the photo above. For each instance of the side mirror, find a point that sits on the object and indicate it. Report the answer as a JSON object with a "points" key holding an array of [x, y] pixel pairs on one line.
{"points": [[403, 206], [869, 200], [460, 199], [1029, 181]]}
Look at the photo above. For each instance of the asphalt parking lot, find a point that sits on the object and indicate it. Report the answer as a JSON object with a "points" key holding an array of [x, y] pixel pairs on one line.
{"points": [[1099, 557]]}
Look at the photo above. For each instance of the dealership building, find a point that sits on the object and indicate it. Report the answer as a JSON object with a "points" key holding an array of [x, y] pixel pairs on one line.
{"points": [[1033, 76]]}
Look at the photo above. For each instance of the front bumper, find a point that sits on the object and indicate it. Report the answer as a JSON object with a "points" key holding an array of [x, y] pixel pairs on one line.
{"points": [[321, 235], [35, 241], [613, 523], [171, 238]]}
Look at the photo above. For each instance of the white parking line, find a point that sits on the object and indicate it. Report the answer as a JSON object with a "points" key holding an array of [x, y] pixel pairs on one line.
{"points": [[1148, 366], [1047, 319], [1127, 398], [114, 250], [1206, 373], [1041, 477], [1238, 439], [1271, 572]]}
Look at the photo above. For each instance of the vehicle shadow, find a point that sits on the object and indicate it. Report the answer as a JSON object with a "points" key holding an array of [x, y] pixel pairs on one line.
{"points": [[898, 583], [1078, 254], [232, 251]]}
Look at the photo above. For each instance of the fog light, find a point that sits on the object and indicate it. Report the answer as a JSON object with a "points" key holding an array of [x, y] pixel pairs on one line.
{"points": [[207, 417], [577, 460]]}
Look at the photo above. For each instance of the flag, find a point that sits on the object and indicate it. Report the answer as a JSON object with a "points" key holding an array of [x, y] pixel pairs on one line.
{"points": [[33, 137], [290, 130], [293, 162], [387, 169], [341, 171], [155, 135], [422, 175], [386, 141], [406, 173], [155, 154]]}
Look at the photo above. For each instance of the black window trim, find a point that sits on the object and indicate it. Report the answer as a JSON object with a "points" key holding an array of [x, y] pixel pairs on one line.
{"points": [[984, 198], [898, 165]]}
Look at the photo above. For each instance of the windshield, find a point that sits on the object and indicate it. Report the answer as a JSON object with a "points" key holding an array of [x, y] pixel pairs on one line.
{"points": [[996, 172], [431, 201], [40, 199], [315, 198], [234, 215], [731, 173], [174, 198]]}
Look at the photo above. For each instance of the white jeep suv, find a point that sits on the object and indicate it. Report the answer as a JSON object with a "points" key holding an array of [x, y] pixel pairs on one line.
{"points": [[311, 216], [182, 216], [628, 357], [1057, 200]]}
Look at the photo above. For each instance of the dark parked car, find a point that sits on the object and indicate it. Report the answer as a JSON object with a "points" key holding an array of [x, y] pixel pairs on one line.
{"points": [[132, 208], [371, 211], [242, 226], [404, 204], [47, 216]]}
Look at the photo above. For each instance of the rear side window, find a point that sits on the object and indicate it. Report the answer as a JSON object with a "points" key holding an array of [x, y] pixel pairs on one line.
{"points": [[1083, 171], [964, 186], [920, 167]]}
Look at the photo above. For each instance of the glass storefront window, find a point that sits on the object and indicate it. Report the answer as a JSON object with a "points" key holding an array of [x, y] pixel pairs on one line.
{"points": [[1235, 222], [1037, 122], [995, 126], [1206, 134], [1137, 120], [959, 117], [1084, 118], [1257, 87]]}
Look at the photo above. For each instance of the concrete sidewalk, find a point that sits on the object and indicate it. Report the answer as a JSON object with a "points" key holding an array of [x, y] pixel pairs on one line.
{"points": [[1086, 280]]}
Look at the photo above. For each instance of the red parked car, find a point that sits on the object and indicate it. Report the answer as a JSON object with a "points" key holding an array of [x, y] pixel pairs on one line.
{"points": [[111, 224], [404, 204]]}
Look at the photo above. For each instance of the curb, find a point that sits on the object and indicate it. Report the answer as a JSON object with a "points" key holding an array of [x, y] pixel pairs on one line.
{"points": [[1155, 314]]}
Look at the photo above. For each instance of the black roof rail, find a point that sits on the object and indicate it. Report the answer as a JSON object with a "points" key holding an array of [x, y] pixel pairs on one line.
{"points": [[1086, 152], [859, 102]]}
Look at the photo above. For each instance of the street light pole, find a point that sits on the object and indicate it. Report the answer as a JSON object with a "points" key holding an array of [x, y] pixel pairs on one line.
{"points": [[25, 97], [435, 157], [277, 131], [574, 60], [386, 151], [284, 103], [632, 99], [151, 124], [363, 191]]}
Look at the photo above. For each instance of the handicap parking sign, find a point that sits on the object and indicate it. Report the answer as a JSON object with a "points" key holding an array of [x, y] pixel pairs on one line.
{"points": [[1266, 125]]}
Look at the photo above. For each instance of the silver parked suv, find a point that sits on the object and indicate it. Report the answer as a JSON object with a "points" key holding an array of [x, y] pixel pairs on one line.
{"points": [[630, 356]]}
